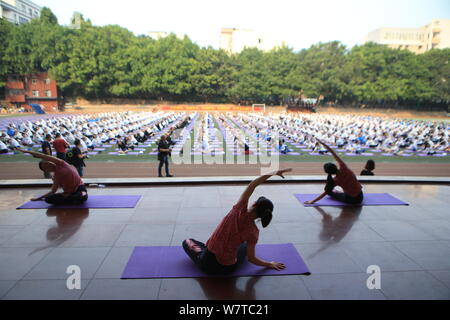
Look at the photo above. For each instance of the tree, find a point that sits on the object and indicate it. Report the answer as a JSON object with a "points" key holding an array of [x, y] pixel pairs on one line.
{"points": [[47, 17], [5, 37]]}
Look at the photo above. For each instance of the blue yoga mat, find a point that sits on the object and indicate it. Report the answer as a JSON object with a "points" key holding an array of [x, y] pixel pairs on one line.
{"points": [[370, 199], [93, 202], [173, 262]]}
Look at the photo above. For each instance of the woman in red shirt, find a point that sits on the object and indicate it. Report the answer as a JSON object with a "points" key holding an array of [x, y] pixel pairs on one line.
{"points": [[345, 178], [236, 236], [65, 177]]}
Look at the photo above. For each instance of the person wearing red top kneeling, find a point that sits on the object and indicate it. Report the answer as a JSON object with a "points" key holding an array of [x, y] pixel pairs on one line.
{"points": [[65, 176], [236, 236], [344, 178]]}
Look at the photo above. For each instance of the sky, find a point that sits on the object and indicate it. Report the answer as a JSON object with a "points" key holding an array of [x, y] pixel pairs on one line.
{"points": [[298, 22]]}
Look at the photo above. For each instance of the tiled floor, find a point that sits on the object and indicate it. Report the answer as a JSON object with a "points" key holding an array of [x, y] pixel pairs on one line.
{"points": [[411, 245]]}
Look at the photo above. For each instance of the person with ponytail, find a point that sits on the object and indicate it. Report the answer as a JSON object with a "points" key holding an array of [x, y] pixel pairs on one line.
{"points": [[344, 178], [236, 236]]}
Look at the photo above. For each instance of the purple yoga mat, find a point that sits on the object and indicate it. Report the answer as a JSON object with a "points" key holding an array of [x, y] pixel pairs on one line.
{"points": [[173, 262], [370, 199], [94, 202]]}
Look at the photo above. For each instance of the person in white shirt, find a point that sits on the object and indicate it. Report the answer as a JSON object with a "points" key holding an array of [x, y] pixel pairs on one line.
{"points": [[3, 148]]}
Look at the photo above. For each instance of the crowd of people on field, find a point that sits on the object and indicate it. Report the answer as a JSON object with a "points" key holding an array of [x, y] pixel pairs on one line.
{"points": [[352, 134]]}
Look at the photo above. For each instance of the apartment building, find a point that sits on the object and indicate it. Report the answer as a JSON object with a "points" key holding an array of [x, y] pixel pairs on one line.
{"points": [[435, 35], [19, 11]]}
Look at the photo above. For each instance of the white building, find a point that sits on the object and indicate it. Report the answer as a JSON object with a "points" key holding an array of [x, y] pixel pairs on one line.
{"points": [[19, 11], [156, 35], [235, 40], [435, 35]]}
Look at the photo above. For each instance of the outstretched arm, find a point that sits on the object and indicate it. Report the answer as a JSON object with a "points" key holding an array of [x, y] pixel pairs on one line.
{"points": [[252, 186], [42, 156], [336, 157], [252, 258], [316, 199], [52, 191]]}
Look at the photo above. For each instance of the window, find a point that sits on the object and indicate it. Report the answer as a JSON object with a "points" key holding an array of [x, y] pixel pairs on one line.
{"points": [[35, 93], [47, 81], [30, 12], [15, 92], [34, 81], [48, 93]]}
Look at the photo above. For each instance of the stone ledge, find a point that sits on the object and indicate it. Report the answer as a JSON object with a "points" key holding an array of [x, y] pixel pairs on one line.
{"points": [[30, 183]]}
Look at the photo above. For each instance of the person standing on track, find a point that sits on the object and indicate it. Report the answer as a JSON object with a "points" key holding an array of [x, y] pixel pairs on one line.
{"points": [[163, 155], [47, 149]]}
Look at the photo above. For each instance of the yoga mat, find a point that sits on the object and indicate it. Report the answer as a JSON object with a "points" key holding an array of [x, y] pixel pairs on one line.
{"points": [[173, 262], [370, 199], [94, 202]]}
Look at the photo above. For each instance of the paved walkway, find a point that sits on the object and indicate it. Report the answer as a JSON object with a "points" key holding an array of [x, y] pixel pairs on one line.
{"points": [[410, 244]]}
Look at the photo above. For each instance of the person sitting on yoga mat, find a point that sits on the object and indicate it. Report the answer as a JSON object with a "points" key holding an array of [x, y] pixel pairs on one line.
{"points": [[344, 177], [368, 169], [236, 236], [65, 176]]}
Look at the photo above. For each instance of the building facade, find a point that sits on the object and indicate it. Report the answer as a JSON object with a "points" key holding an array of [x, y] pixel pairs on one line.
{"points": [[235, 40], [19, 11], [435, 35], [39, 88]]}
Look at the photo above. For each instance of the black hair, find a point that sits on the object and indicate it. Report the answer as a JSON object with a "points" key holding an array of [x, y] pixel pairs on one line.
{"points": [[57, 135], [370, 165], [48, 136], [330, 168], [264, 209], [41, 163], [77, 142]]}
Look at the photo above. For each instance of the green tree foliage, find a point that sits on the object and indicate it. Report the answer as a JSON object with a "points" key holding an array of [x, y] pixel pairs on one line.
{"points": [[47, 17], [111, 62], [5, 37]]}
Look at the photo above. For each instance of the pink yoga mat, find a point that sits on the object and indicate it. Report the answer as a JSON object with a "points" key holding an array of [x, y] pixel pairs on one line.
{"points": [[370, 199], [173, 262]]}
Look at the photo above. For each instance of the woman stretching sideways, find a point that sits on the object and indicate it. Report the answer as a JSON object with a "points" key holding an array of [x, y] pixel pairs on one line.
{"points": [[236, 236], [64, 176], [344, 178]]}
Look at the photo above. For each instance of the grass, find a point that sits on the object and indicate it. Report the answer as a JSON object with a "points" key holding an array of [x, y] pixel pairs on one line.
{"points": [[105, 157]]}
